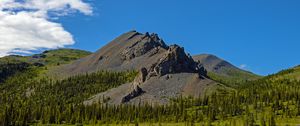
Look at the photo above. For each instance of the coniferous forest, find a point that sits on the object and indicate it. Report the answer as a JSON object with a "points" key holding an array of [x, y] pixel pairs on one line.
{"points": [[27, 100]]}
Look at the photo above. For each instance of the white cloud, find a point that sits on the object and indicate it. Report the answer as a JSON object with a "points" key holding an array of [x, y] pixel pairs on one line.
{"points": [[26, 26], [243, 66]]}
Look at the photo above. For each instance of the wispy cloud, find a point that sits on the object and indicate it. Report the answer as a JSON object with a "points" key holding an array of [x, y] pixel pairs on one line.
{"points": [[26, 25]]}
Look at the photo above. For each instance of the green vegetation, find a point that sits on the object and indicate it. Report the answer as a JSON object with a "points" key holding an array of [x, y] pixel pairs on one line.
{"points": [[48, 58], [267, 101], [293, 73], [233, 78], [26, 99], [42, 63], [10, 69]]}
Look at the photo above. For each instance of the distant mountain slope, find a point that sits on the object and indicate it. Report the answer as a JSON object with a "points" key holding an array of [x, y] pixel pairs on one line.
{"points": [[223, 71], [291, 74], [219, 66], [11, 65], [50, 57]]}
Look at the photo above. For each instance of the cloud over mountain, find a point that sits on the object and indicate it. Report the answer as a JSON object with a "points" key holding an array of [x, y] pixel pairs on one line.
{"points": [[27, 25]]}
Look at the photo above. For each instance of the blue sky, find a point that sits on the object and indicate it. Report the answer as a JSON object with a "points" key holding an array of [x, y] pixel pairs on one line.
{"points": [[263, 36]]}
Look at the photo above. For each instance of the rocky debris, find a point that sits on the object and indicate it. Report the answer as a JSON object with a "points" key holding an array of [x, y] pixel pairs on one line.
{"points": [[100, 58], [144, 45], [156, 38], [141, 77], [137, 91], [168, 77], [202, 71]]}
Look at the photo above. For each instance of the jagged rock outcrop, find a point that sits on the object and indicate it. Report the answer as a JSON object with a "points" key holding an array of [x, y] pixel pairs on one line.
{"points": [[141, 77], [175, 60], [142, 46], [134, 93]]}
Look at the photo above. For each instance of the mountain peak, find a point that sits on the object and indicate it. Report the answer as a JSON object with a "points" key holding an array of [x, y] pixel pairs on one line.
{"points": [[134, 50]]}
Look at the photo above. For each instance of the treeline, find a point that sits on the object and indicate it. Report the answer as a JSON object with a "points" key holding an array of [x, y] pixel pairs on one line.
{"points": [[24, 98], [9, 69]]}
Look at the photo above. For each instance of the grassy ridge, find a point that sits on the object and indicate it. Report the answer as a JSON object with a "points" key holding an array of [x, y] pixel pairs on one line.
{"points": [[11, 65], [51, 57], [233, 78], [293, 73]]}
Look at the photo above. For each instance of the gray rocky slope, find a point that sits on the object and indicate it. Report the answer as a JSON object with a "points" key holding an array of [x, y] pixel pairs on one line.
{"points": [[221, 67], [164, 71]]}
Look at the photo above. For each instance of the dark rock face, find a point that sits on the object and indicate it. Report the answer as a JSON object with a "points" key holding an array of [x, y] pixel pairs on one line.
{"points": [[174, 61], [144, 45], [141, 77], [134, 93]]}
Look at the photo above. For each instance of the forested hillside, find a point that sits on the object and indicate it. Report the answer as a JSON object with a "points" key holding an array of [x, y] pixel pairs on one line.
{"points": [[9, 69], [268, 101], [29, 97], [25, 99]]}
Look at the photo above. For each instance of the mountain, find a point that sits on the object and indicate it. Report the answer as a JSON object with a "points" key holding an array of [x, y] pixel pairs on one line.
{"points": [[223, 71], [165, 71], [130, 51], [128, 79]]}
